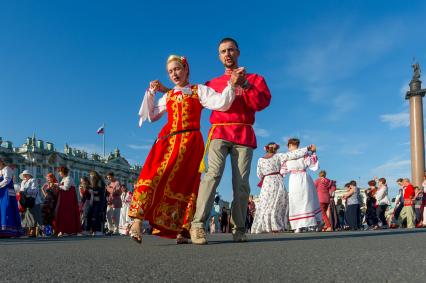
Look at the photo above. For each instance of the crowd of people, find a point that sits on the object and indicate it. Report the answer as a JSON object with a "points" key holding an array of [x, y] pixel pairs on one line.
{"points": [[173, 197], [59, 208], [310, 205]]}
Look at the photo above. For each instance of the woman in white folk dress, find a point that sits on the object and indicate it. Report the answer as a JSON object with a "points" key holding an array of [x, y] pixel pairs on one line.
{"points": [[125, 221], [304, 207], [272, 206]]}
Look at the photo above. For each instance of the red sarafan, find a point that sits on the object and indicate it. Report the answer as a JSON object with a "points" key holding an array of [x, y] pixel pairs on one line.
{"points": [[167, 186]]}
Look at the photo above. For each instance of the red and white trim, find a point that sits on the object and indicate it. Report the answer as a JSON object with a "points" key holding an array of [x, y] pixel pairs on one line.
{"points": [[304, 215]]}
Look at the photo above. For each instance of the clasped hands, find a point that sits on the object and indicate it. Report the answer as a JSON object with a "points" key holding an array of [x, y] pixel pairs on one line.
{"points": [[238, 78]]}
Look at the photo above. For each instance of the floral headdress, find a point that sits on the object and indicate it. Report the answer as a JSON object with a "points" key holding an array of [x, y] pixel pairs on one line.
{"points": [[272, 146]]}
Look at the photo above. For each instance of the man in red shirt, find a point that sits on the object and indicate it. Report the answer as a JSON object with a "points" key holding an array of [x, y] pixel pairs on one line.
{"points": [[231, 134], [407, 211]]}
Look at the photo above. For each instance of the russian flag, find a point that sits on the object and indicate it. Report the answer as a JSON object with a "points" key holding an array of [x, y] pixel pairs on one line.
{"points": [[101, 130]]}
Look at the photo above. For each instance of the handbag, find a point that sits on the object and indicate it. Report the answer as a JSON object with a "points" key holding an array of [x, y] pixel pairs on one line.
{"points": [[26, 201]]}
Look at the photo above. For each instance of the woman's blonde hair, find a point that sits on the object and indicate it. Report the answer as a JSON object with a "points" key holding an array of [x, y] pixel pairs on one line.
{"points": [[180, 59]]}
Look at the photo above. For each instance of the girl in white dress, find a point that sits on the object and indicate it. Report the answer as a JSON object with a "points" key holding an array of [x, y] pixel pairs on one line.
{"points": [[305, 211], [272, 207], [125, 221]]}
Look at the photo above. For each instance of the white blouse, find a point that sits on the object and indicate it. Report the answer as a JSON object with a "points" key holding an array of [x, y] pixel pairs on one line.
{"points": [[208, 97], [66, 183], [30, 188], [7, 174]]}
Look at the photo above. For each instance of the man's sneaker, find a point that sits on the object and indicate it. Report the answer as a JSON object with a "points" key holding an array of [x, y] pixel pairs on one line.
{"points": [[239, 237], [198, 236]]}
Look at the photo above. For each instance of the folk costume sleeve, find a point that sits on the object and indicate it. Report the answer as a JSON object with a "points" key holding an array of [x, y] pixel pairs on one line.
{"points": [[295, 154], [311, 161], [7, 175], [284, 169], [150, 110], [65, 184], [213, 100], [256, 93]]}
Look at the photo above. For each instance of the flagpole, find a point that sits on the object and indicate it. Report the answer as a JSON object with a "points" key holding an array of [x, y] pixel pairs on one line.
{"points": [[103, 140]]}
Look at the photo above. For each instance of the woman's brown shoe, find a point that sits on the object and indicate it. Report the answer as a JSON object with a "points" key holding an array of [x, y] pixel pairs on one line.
{"points": [[135, 231]]}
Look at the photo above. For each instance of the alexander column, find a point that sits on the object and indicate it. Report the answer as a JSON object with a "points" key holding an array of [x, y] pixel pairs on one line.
{"points": [[415, 96]]}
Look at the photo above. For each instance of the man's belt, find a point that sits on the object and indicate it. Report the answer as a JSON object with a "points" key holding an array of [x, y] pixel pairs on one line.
{"points": [[203, 167]]}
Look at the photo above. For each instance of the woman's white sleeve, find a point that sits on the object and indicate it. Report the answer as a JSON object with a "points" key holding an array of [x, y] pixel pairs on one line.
{"points": [[150, 110]]}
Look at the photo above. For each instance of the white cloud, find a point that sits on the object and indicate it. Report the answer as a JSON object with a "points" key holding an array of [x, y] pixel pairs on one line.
{"points": [[396, 120], [139, 147], [342, 104], [325, 59], [392, 165], [261, 132]]}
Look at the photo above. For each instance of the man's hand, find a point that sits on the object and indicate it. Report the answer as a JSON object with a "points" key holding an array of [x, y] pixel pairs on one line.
{"points": [[238, 77]]}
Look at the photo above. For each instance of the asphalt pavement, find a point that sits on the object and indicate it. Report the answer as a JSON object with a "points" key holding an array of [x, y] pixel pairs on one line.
{"points": [[367, 256]]}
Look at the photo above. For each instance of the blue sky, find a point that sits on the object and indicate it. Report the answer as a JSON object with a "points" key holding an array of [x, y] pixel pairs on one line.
{"points": [[337, 71]]}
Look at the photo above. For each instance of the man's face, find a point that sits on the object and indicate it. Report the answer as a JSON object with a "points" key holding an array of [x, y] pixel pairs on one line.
{"points": [[228, 54]]}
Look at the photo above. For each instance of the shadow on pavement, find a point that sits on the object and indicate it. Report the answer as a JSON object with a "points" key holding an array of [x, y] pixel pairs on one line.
{"points": [[324, 236]]}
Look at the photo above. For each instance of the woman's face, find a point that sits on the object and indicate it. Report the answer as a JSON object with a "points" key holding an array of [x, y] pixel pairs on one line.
{"points": [[27, 177], [62, 174], [49, 179], [177, 73]]}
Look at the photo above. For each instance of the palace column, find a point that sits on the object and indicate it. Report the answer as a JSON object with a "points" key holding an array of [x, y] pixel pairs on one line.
{"points": [[415, 97]]}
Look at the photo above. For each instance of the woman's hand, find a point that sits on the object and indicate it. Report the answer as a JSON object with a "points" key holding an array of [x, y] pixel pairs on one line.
{"points": [[156, 85]]}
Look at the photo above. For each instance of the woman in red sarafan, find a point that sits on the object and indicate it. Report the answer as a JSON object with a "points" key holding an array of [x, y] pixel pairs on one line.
{"points": [[166, 191], [67, 216]]}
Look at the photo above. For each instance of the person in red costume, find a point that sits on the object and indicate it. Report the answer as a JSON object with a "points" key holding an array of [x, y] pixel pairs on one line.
{"points": [[231, 134], [167, 187], [407, 212]]}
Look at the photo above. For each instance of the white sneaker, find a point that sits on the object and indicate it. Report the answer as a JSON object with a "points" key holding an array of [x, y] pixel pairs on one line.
{"points": [[298, 230]]}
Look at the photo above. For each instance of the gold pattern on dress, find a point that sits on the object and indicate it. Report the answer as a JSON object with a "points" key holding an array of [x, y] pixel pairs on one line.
{"points": [[166, 215]]}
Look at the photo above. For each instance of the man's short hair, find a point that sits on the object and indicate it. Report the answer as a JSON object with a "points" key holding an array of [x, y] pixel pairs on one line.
{"points": [[399, 180], [111, 174], [229, 39]]}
